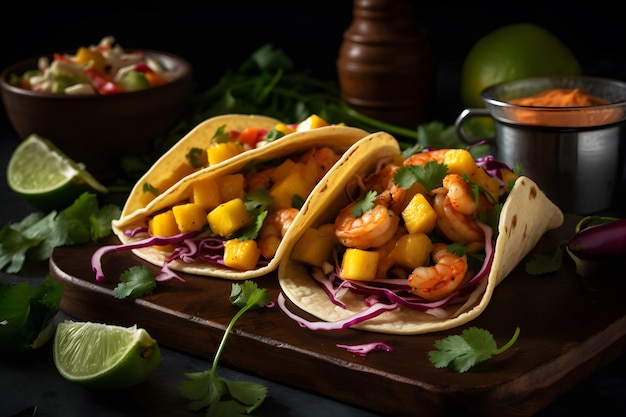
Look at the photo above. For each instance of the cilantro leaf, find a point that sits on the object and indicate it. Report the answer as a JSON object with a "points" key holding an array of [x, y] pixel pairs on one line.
{"points": [[36, 236], [220, 136], [430, 175], [27, 314], [542, 263], [224, 397], [197, 157], [365, 204], [149, 188], [135, 282], [473, 346]]}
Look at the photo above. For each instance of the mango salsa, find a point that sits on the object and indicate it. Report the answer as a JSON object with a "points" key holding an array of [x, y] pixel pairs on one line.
{"points": [[359, 264], [419, 216], [222, 151], [316, 245], [190, 217], [163, 224], [241, 254], [229, 217]]}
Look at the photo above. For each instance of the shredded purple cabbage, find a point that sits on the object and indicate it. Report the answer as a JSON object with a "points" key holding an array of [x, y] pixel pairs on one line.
{"points": [[363, 350], [385, 295]]}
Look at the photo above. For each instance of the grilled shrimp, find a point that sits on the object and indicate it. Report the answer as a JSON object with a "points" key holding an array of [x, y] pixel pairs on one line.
{"points": [[370, 230], [455, 207], [437, 281], [274, 229], [324, 158], [421, 158]]}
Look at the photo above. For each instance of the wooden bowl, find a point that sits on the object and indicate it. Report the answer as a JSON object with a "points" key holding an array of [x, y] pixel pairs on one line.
{"points": [[98, 130]]}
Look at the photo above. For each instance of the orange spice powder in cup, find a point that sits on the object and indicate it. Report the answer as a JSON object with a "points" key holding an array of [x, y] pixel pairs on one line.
{"points": [[560, 99]]}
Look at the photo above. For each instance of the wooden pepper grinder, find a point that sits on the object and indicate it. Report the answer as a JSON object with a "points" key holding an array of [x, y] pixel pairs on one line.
{"points": [[385, 65]]}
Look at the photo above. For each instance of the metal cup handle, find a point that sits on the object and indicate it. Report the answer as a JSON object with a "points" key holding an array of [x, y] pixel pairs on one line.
{"points": [[465, 116]]}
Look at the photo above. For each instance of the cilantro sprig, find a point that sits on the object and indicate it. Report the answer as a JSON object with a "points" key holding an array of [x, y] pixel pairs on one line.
{"points": [[36, 235], [224, 397], [27, 314], [472, 346], [430, 175]]}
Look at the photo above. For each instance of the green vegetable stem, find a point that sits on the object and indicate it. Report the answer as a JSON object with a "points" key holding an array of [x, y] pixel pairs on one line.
{"points": [[226, 398]]}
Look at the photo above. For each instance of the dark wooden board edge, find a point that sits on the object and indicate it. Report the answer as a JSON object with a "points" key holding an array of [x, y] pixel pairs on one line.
{"points": [[571, 327]]}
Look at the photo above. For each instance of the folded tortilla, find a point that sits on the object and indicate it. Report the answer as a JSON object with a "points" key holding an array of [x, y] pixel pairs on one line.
{"points": [[338, 138], [526, 215], [173, 165]]}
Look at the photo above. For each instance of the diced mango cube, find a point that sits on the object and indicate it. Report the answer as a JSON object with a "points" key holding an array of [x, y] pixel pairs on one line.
{"points": [[232, 186], [219, 152], [190, 217], [412, 250], [281, 127], [284, 191], [163, 224], [205, 192], [359, 264], [460, 161], [282, 170], [419, 216], [315, 246], [229, 217], [241, 254], [508, 176], [486, 181], [311, 122]]}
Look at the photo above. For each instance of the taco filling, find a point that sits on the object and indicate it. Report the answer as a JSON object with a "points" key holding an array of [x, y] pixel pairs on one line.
{"points": [[232, 221], [413, 246], [212, 142]]}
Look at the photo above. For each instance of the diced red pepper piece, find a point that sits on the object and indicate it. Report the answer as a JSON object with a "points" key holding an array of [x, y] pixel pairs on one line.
{"points": [[102, 83]]}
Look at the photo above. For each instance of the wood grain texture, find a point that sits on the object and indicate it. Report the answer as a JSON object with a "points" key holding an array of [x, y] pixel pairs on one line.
{"points": [[571, 326]]}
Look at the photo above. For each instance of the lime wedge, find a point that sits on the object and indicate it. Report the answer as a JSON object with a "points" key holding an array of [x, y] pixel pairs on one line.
{"points": [[102, 356], [46, 177]]}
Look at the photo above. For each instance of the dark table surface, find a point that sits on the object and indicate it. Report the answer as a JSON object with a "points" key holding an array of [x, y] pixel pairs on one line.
{"points": [[32, 380]]}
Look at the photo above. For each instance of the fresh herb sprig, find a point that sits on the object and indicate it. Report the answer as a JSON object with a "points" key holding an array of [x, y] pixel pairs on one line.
{"points": [[224, 397], [34, 237], [28, 314], [472, 346]]}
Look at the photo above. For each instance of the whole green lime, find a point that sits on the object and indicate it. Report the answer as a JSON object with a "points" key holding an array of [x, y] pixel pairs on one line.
{"points": [[512, 52]]}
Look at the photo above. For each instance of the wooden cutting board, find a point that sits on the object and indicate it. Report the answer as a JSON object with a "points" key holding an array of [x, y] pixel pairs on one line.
{"points": [[571, 326]]}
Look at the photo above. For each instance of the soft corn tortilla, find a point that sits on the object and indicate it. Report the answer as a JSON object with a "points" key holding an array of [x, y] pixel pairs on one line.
{"points": [[526, 215], [166, 171], [339, 138]]}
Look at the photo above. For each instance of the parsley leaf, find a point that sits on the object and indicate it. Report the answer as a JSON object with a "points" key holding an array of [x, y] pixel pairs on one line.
{"points": [[135, 282], [473, 346], [430, 175], [365, 204], [208, 389]]}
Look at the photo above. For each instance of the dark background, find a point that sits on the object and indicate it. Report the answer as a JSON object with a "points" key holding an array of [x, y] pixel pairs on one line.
{"points": [[216, 39]]}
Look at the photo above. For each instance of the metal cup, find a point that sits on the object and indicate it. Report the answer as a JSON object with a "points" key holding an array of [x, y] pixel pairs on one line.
{"points": [[575, 154]]}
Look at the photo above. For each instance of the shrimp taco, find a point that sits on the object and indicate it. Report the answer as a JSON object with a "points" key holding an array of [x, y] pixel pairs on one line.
{"points": [[233, 220], [211, 142], [410, 246]]}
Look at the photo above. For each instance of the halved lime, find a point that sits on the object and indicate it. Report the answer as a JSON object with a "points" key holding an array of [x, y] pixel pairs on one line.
{"points": [[46, 177], [103, 356]]}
